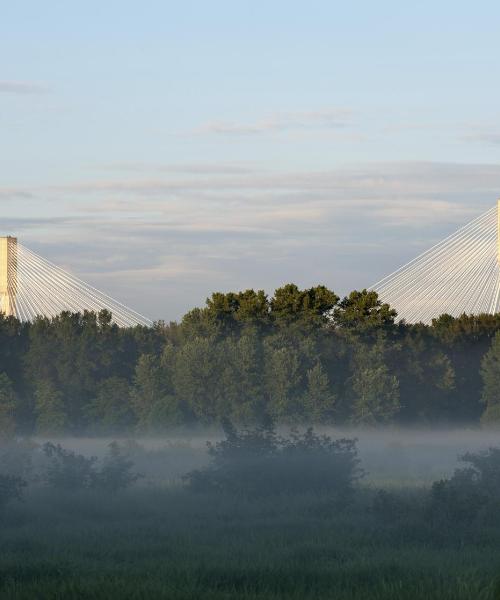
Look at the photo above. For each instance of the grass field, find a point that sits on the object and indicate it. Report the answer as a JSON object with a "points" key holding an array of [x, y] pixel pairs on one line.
{"points": [[154, 541]]}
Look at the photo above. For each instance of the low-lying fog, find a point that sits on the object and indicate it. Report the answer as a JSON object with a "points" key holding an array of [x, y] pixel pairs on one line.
{"points": [[390, 457]]}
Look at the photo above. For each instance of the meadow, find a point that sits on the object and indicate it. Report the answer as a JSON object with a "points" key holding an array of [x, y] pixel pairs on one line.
{"points": [[160, 539]]}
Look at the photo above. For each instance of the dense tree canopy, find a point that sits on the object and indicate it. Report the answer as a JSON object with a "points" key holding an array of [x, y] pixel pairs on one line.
{"points": [[301, 356]]}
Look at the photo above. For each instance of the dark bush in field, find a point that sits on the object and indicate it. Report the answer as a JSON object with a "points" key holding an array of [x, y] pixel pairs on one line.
{"points": [[470, 489], [258, 462], [11, 488], [116, 472], [67, 470]]}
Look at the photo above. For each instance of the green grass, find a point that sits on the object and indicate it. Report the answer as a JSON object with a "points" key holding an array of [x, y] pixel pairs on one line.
{"points": [[169, 543]]}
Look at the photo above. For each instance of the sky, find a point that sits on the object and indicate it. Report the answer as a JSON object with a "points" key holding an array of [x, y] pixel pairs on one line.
{"points": [[165, 150]]}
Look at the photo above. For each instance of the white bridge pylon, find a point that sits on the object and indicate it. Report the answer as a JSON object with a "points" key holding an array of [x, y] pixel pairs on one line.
{"points": [[31, 286], [460, 274]]}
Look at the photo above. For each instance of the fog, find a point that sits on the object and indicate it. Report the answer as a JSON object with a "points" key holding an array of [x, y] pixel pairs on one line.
{"points": [[390, 457], [262, 515]]}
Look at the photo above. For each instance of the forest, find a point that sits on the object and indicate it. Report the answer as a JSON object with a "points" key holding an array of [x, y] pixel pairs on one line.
{"points": [[298, 357]]}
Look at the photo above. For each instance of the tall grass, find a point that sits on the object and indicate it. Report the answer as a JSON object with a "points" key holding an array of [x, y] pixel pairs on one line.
{"points": [[169, 543]]}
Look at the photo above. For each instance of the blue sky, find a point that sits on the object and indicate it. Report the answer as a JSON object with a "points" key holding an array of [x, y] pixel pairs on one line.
{"points": [[165, 150]]}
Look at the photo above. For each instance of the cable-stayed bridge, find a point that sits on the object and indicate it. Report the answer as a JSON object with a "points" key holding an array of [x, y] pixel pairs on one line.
{"points": [[460, 274], [31, 286]]}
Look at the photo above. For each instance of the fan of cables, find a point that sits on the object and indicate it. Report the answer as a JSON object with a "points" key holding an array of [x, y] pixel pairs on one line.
{"points": [[460, 274], [37, 287]]}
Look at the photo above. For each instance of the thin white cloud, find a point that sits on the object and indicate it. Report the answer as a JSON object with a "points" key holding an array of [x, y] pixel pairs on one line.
{"points": [[342, 227], [189, 169], [487, 138], [331, 118], [21, 87]]}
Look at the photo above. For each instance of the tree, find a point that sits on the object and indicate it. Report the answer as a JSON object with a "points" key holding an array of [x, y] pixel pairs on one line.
{"points": [[490, 372], [50, 409], [426, 376], [197, 372], [111, 409], [376, 395], [283, 382], [319, 399], [466, 340], [8, 403], [241, 383], [363, 310], [258, 462], [227, 313], [308, 307], [152, 395]]}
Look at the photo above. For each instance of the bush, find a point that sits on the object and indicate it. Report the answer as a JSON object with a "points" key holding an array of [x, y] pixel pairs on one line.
{"points": [[258, 462], [11, 488], [469, 490], [70, 471], [116, 472], [67, 470]]}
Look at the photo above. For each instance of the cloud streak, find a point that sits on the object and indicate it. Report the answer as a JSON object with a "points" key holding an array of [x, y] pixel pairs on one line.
{"points": [[21, 87], [487, 138], [332, 118], [163, 245]]}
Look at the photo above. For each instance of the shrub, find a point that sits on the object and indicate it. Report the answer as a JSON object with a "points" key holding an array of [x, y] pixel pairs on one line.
{"points": [[258, 462], [67, 470], [116, 472], [11, 488], [70, 471], [470, 489]]}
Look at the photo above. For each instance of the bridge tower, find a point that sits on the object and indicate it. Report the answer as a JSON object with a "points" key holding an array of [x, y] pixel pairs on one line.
{"points": [[8, 275]]}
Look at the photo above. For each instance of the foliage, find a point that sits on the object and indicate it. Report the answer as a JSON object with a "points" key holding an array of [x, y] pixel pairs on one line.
{"points": [[153, 401], [298, 356], [470, 489], [167, 542], [376, 396], [363, 310], [8, 403], [258, 462], [69, 471], [49, 408], [111, 410], [490, 371], [116, 472]]}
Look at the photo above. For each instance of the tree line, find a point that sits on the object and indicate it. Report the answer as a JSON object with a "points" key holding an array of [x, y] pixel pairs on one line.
{"points": [[300, 356]]}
